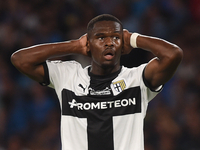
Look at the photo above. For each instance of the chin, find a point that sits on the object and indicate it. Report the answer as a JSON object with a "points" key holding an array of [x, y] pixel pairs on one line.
{"points": [[109, 64]]}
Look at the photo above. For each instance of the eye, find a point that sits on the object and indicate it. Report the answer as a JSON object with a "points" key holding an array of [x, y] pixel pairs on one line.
{"points": [[101, 38], [115, 37]]}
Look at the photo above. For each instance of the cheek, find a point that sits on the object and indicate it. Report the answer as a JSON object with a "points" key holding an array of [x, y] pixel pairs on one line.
{"points": [[95, 44], [119, 45], [95, 52], [96, 48], [118, 42]]}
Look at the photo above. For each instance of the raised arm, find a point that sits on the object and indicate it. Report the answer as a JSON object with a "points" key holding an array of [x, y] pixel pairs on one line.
{"points": [[167, 58], [29, 60]]}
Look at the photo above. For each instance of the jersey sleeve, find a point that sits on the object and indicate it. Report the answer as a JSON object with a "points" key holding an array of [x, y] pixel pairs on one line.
{"points": [[147, 92], [60, 72]]}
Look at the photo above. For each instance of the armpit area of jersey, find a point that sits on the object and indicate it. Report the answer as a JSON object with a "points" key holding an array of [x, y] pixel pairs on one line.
{"points": [[158, 89], [46, 75]]}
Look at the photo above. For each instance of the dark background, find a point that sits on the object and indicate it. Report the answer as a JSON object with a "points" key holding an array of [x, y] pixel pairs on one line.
{"points": [[30, 113]]}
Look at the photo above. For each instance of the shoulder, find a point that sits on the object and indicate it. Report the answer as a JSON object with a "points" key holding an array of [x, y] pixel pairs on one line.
{"points": [[133, 76], [62, 72], [66, 65], [63, 69], [60, 62], [134, 70]]}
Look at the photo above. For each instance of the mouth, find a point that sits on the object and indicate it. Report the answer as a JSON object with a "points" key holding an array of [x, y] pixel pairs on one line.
{"points": [[109, 54]]}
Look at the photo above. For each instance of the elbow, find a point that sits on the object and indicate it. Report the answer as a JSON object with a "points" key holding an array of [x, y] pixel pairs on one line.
{"points": [[174, 54], [178, 54], [18, 60], [15, 59]]}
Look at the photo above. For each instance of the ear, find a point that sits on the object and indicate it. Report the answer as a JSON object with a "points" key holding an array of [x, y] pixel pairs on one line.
{"points": [[88, 45], [122, 51], [88, 48]]}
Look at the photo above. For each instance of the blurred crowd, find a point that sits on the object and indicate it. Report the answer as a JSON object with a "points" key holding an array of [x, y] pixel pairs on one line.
{"points": [[30, 113]]}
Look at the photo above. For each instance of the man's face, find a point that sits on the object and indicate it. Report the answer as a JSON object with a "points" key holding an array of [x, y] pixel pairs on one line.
{"points": [[105, 44]]}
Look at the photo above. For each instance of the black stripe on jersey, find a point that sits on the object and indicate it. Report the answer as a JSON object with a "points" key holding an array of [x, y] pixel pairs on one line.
{"points": [[99, 117], [46, 75]]}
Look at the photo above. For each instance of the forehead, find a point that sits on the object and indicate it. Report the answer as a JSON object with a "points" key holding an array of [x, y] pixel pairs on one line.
{"points": [[106, 27]]}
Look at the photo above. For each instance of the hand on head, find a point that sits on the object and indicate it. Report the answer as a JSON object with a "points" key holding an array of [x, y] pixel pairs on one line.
{"points": [[84, 45], [126, 39]]}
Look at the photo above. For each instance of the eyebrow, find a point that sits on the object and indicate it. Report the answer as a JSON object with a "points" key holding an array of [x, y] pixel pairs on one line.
{"points": [[100, 34]]}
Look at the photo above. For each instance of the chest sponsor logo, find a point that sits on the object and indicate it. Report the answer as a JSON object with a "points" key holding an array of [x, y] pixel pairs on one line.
{"points": [[127, 102], [102, 105], [119, 86]]}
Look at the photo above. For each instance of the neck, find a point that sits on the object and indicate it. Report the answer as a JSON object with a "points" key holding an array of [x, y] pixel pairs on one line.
{"points": [[104, 70]]}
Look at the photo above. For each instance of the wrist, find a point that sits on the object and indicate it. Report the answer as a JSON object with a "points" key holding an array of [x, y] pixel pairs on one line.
{"points": [[133, 40]]}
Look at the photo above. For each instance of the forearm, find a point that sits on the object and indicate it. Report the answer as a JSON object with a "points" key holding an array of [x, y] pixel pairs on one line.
{"points": [[158, 47], [29, 60], [39, 53]]}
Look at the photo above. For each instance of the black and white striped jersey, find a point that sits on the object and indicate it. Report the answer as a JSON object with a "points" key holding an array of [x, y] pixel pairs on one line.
{"points": [[100, 112]]}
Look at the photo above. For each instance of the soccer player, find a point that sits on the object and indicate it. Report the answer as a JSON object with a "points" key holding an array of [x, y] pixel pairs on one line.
{"points": [[104, 104]]}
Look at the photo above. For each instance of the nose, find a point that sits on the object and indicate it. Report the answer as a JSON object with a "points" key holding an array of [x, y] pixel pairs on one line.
{"points": [[109, 41]]}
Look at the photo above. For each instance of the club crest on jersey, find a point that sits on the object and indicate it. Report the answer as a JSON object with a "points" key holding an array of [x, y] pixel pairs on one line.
{"points": [[119, 86]]}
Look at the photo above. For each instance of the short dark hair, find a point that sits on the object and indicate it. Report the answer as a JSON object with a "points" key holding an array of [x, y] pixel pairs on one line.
{"points": [[103, 17]]}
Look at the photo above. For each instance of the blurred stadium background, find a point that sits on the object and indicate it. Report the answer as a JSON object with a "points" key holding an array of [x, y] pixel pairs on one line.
{"points": [[30, 113]]}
